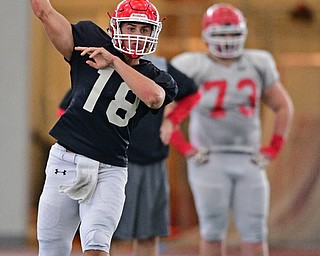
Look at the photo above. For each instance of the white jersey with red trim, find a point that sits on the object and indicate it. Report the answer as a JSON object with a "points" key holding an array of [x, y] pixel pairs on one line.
{"points": [[227, 116]]}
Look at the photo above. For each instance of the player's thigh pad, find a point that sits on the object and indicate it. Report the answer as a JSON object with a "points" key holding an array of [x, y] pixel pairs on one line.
{"points": [[251, 204], [211, 190], [58, 216], [101, 216]]}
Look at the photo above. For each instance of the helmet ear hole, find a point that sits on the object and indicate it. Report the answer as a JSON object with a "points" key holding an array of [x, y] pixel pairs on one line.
{"points": [[135, 11], [224, 30]]}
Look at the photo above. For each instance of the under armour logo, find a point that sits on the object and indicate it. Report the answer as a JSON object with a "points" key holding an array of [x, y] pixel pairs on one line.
{"points": [[64, 172]]}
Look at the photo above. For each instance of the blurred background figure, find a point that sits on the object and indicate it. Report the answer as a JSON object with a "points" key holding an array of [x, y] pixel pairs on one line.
{"points": [[226, 122], [146, 216]]}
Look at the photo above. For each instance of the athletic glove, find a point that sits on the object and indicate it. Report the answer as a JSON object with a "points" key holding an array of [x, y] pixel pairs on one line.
{"points": [[260, 159], [268, 153], [274, 147], [198, 156], [201, 157]]}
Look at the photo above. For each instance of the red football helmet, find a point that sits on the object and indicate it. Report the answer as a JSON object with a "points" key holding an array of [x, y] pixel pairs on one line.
{"points": [[224, 29], [141, 11]]}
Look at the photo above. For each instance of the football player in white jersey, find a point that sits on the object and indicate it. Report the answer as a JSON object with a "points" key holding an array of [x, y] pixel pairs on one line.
{"points": [[226, 122]]}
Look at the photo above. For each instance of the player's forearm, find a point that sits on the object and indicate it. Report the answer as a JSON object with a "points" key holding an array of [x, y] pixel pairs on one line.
{"points": [[283, 118], [278, 99], [282, 122], [57, 27], [146, 89], [41, 8], [179, 141], [183, 108]]}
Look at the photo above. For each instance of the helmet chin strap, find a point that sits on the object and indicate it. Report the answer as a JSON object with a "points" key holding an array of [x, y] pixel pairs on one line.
{"points": [[131, 55], [134, 56]]}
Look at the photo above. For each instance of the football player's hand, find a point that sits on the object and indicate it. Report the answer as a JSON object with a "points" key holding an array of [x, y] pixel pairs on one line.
{"points": [[260, 159], [166, 130], [102, 58], [200, 156], [270, 152]]}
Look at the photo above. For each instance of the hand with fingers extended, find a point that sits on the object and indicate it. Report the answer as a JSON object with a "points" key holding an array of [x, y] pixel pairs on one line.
{"points": [[102, 58]]}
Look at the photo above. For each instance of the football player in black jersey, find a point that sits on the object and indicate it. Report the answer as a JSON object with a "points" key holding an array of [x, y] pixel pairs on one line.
{"points": [[145, 217], [112, 89]]}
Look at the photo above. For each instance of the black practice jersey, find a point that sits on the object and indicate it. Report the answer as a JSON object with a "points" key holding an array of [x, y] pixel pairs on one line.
{"points": [[66, 100], [145, 144], [103, 110]]}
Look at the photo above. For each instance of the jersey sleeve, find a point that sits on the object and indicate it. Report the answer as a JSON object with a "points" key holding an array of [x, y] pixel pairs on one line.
{"points": [[188, 63], [187, 97], [265, 64], [186, 85], [166, 81], [80, 32], [87, 33], [66, 100], [64, 103]]}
